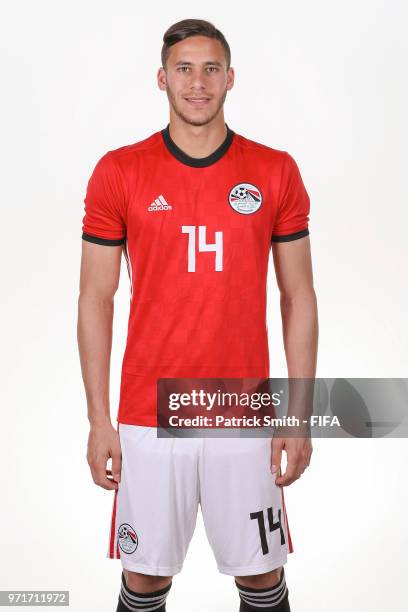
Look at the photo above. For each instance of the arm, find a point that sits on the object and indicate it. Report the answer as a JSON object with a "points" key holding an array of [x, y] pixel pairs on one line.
{"points": [[293, 268], [99, 279]]}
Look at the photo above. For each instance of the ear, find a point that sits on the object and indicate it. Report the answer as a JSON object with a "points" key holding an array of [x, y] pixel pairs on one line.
{"points": [[161, 79], [230, 78]]}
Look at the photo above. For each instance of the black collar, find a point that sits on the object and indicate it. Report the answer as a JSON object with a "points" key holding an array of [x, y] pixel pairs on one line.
{"points": [[197, 162]]}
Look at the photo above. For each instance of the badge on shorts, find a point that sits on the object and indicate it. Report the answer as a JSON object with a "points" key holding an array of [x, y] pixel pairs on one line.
{"points": [[127, 538], [245, 198]]}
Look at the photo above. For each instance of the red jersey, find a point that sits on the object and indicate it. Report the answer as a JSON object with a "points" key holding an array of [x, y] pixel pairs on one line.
{"points": [[196, 235]]}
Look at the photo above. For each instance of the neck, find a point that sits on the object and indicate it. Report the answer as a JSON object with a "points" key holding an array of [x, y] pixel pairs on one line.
{"points": [[198, 140]]}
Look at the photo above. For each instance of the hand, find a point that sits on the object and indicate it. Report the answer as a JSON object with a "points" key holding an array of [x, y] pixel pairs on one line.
{"points": [[104, 442], [298, 451]]}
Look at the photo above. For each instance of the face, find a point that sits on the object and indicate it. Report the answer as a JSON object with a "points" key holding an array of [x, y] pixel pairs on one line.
{"points": [[196, 79]]}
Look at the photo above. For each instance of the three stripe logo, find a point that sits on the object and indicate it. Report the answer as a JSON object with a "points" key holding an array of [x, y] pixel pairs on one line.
{"points": [[159, 204]]}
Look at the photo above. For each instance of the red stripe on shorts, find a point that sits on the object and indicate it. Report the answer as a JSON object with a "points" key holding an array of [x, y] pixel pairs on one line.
{"points": [[290, 545], [113, 529], [112, 551]]}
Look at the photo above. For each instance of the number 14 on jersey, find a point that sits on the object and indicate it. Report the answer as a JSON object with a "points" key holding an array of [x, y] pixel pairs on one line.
{"points": [[203, 246]]}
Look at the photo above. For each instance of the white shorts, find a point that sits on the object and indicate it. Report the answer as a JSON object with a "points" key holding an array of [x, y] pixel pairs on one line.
{"points": [[163, 480]]}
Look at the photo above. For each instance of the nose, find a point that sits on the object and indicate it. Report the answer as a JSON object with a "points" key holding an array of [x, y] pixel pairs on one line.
{"points": [[197, 80]]}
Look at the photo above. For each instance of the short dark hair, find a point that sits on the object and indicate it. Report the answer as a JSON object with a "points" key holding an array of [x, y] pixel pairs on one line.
{"points": [[192, 27]]}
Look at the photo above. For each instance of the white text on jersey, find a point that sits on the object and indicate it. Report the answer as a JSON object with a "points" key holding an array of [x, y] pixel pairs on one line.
{"points": [[159, 204]]}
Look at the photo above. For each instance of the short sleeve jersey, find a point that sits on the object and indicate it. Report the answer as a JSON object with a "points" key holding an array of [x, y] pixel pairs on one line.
{"points": [[196, 235]]}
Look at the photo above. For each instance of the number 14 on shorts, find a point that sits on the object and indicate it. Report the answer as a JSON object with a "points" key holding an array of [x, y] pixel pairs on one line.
{"points": [[260, 517]]}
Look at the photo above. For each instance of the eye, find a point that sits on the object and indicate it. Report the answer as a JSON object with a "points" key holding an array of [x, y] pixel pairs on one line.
{"points": [[183, 68], [212, 68]]}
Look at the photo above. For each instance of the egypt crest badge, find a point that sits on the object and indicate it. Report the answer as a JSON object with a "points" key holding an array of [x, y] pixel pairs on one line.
{"points": [[127, 538], [245, 198]]}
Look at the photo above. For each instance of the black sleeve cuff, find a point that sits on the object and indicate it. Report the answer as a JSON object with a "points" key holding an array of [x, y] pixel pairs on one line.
{"points": [[105, 241], [290, 237]]}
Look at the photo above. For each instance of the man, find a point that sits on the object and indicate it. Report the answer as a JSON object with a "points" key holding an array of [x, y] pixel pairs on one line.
{"points": [[195, 208]]}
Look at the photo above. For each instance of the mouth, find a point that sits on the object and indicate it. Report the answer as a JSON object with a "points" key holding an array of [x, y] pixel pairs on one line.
{"points": [[197, 101]]}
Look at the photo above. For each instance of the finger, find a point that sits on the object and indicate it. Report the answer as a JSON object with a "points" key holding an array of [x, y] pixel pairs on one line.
{"points": [[100, 478], [109, 485], [109, 473], [305, 458], [106, 483], [305, 465], [116, 466], [112, 486], [276, 454], [292, 473]]}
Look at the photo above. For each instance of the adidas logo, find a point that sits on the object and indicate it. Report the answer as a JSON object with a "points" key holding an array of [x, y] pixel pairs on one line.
{"points": [[159, 204]]}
